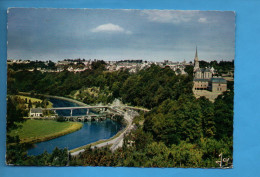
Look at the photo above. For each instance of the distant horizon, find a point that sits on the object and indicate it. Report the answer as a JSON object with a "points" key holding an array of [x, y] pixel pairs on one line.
{"points": [[119, 34], [119, 60]]}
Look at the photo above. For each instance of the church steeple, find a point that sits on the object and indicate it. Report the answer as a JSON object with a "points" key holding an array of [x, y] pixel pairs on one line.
{"points": [[196, 54], [196, 61]]}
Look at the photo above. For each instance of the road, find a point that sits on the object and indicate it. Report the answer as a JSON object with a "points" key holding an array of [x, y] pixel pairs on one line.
{"points": [[118, 141]]}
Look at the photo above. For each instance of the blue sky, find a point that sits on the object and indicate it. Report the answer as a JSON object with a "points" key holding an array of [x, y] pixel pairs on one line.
{"points": [[155, 35]]}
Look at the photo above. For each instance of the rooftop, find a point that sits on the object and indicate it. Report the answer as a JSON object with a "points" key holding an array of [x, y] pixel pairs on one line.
{"points": [[36, 110], [201, 80], [218, 80]]}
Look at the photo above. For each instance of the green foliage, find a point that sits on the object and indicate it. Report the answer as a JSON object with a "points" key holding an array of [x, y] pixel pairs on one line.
{"points": [[208, 124], [152, 86], [98, 65], [141, 151], [17, 155], [176, 120], [223, 115], [60, 119], [179, 131], [93, 95], [221, 67], [32, 65], [186, 155], [14, 113]]}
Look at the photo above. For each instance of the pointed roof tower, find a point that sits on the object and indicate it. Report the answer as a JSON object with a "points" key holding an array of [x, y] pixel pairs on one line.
{"points": [[196, 54], [196, 61]]}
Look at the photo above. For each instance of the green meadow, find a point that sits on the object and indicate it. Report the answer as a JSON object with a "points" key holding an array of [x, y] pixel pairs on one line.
{"points": [[42, 130]]}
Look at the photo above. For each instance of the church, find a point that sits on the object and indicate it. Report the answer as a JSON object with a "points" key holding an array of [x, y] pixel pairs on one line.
{"points": [[204, 78]]}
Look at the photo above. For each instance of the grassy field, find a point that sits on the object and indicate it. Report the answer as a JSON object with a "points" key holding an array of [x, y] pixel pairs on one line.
{"points": [[34, 100], [42, 130]]}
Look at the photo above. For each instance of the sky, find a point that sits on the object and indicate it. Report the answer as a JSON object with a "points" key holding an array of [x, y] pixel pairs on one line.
{"points": [[153, 35]]}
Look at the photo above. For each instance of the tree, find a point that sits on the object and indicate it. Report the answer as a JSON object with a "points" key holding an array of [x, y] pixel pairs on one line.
{"points": [[208, 124], [30, 104], [13, 114], [98, 65], [60, 119], [142, 139], [224, 115], [176, 120], [51, 65]]}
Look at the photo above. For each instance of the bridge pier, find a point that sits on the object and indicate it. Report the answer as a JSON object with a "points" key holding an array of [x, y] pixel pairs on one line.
{"points": [[87, 111], [89, 118], [71, 111]]}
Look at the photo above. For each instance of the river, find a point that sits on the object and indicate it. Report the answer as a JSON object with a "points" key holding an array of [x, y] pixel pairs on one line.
{"points": [[89, 133]]}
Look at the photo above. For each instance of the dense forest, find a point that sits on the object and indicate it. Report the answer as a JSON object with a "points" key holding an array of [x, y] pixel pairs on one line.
{"points": [[179, 131]]}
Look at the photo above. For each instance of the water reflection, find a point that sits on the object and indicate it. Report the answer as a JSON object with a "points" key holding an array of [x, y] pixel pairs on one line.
{"points": [[90, 132]]}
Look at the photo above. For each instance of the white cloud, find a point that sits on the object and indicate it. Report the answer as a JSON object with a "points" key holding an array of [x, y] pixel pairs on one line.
{"points": [[202, 20], [169, 16], [109, 27]]}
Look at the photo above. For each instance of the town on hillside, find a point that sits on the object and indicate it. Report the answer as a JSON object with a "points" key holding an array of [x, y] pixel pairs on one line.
{"points": [[207, 80]]}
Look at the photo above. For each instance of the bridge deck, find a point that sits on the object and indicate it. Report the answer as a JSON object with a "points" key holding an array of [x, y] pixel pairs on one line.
{"points": [[78, 107]]}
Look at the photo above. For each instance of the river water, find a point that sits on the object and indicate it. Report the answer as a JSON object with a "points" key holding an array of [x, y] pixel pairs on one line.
{"points": [[90, 132]]}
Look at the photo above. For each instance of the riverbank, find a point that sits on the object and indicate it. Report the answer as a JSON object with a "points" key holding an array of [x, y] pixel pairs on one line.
{"points": [[57, 97], [34, 131], [67, 99], [115, 141], [82, 148]]}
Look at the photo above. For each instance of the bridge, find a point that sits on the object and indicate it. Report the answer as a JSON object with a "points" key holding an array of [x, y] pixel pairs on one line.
{"points": [[76, 107], [114, 108]]}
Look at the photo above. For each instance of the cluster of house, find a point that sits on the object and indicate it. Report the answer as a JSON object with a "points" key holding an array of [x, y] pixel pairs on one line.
{"points": [[133, 66], [9, 61], [136, 65]]}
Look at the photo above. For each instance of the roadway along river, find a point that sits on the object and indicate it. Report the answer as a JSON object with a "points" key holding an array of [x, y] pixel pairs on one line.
{"points": [[90, 132]]}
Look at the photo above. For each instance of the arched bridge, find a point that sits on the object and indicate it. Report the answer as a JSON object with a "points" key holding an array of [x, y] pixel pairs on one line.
{"points": [[117, 109], [78, 107]]}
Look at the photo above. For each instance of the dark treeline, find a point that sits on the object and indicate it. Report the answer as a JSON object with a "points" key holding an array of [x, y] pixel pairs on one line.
{"points": [[222, 67], [16, 155], [130, 61], [179, 131], [147, 88], [32, 65]]}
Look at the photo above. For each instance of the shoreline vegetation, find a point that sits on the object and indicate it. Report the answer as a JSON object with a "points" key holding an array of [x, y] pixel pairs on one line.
{"points": [[57, 97], [33, 100], [124, 123], [38, 126]]}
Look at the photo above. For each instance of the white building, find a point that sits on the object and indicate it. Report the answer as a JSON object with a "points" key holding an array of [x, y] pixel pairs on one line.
{"points": [[36, 112]]}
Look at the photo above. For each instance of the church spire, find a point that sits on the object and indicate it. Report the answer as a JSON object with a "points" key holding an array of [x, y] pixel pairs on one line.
{"points": [[196, 54], [196, 61]]}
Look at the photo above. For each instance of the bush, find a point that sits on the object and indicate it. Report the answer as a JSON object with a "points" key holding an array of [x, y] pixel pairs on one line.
{"points": [[60, 119]]}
